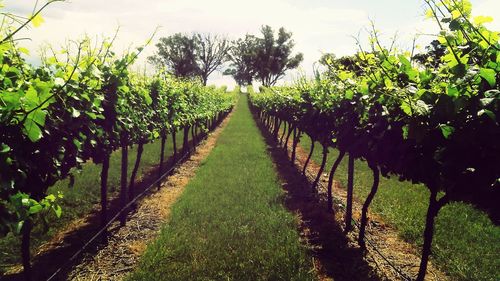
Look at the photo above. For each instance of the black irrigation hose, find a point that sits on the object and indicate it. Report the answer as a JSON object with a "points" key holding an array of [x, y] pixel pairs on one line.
{"points": [[125, 209], [404, 276]]}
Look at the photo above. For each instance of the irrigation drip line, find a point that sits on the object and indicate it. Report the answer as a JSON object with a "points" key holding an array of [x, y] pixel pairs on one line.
{"points": [[122, 211], [403, 275]]}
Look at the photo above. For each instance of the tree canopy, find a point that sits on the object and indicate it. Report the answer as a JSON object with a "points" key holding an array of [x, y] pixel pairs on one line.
{"points": [[187, 56], [265, 58]]}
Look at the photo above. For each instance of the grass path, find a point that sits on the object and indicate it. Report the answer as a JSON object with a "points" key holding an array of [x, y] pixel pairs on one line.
{"points": [[230, 223]]}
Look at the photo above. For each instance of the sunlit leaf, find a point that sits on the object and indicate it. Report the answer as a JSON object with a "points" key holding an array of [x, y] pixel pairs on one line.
{"points": [[446, 130], [37, 20]]}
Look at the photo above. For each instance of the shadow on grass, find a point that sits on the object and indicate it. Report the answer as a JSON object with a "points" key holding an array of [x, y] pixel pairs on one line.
{"points": [[324, 235], [45, 264]]}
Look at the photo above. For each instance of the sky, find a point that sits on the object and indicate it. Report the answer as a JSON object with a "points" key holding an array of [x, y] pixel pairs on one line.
{"points": [[318, 26]]}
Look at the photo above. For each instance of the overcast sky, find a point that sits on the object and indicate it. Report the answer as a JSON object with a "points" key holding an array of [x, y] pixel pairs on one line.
{"points": [[318, 26]]}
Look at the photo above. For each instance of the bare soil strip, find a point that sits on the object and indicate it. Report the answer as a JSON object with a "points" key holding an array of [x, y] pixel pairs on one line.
{"points": [[337, 256], [126, 244]]}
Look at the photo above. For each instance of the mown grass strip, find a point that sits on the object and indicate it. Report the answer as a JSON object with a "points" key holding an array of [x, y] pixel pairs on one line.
{"points": [[230, 223], [466, 242], [82, 198]]}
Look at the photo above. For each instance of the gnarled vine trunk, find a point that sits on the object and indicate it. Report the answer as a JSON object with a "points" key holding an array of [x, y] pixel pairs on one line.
{"points": [[432, 211], [140, 150], [308, 157], [350, 189], [123, 180], [162, 157], [321, 168], [366, 205], [104, 194], [330, 179]]}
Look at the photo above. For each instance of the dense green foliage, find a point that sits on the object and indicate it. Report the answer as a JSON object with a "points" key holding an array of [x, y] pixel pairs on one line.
{"points": [[433, 122], [229, 223], [79, 105]]}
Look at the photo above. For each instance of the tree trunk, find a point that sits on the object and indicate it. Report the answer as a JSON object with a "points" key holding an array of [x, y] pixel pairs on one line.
{"points": [[290, 130], [277, 128], [185, 143], [366, 205], [330, 179], [174, 143], [140, 149], [104, 194], [308, 158], [284, 132], [295, 142], [193, 136], [432, 211], [25, 249], [350, 187], [321, 168], [123, 182], [162, 158]]}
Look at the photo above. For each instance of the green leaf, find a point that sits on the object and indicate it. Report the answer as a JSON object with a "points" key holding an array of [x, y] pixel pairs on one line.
{"points": [[35, 209], [489, 75], [31, 95], [58, 210], [32, 130], [489, 113], [349, 94], [4, 148], [406, 63], [486, 101], [38, 116], [406, 108], [446, 130], [452, 91], [388, 83], [455, 25], [482, 19], [91, 115], [405, 131], [59, 81], [24, 51], [75, 113], [19, 227], [148, 98], [37, 20]]}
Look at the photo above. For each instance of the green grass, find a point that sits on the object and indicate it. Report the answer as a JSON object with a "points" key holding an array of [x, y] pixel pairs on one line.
{"points": [[82, 197], [230, 223], [466, 243]]}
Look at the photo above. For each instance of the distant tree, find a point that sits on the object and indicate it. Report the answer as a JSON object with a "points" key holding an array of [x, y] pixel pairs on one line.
{"points": [[274, 55], [212, 53], [242, 56], [177, 53]]}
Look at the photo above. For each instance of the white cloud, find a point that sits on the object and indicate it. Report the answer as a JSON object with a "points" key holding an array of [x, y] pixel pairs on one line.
{"points": [[317, 27]]}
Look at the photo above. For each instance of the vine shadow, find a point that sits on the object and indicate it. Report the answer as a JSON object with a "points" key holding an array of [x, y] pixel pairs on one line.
{"points": [[338, 259]]}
